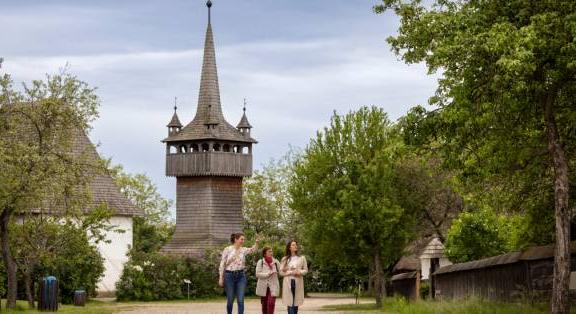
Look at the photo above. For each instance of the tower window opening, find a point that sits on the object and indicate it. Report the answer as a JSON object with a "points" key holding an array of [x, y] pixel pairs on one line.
{"points": [[205, 147]]}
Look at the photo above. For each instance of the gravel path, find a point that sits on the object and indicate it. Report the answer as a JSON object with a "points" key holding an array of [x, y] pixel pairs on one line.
{"points": [[311, 305]]}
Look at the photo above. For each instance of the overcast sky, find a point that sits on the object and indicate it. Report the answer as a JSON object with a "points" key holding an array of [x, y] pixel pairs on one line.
{"points": [[295, 61]]}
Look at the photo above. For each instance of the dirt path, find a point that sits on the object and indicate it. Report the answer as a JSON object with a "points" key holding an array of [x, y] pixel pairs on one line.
{"points": [[312, 305]]}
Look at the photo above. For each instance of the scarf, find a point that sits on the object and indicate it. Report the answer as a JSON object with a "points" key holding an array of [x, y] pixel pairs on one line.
{"points": [[268, 261]]}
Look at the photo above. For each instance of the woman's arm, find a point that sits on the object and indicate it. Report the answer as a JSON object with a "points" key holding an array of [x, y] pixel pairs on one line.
{"points": [[223, 263], [283, 268], [304, 269]]}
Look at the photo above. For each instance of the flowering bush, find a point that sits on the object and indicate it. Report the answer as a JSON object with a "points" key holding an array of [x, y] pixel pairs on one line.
{"points": [[153, 276]]}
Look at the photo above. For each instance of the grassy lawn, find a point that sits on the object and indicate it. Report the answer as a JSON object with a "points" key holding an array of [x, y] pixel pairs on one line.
{"points": [[400, 306]]}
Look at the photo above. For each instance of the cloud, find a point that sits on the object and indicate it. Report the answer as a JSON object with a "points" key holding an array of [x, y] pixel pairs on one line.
{"points": [[292, 89]]}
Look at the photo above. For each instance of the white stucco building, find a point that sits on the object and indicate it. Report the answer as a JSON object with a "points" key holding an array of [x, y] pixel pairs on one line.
{"points": [[432, 257], [104, 190]]}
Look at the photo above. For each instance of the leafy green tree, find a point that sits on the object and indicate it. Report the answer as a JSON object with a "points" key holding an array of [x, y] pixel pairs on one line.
{"points": [[344, 188], [76, 263], [266, 201], [156, 227], [38, 242], [474, 235], [38, 162], [504, 108]]}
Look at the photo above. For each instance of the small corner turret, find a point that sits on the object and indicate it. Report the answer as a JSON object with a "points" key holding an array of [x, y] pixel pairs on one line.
{"points": [[244, 126], [174, 126]]}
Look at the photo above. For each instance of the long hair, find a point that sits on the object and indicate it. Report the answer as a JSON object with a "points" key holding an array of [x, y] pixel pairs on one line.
{"points": [[288, 253]]}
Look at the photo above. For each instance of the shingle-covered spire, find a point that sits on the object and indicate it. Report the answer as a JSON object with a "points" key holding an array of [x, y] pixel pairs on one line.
{"points": [[209, 122], [209, 107]]}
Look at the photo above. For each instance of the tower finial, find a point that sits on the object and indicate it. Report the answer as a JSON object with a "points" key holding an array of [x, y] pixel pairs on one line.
{"points": [[209, 5], [175, 104], [244, 108]]}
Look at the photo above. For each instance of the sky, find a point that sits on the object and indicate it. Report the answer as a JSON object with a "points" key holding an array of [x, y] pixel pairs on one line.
{"points": [[295, 61]]}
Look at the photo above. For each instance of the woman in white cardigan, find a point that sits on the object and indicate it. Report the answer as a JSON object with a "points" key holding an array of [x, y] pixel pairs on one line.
{"points": [[293, 267], [268, 286]]}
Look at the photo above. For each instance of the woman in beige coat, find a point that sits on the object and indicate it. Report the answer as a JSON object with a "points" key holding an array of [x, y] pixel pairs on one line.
{"points": [[267, 287], [292, 268]]}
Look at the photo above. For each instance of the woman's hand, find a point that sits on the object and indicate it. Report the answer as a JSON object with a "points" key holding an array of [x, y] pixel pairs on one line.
{"points": [[221, 282], [258, 239]]}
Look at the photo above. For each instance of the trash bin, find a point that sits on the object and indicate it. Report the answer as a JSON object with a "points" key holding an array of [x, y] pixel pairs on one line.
{"points": [[48, 298], [80, 297]]}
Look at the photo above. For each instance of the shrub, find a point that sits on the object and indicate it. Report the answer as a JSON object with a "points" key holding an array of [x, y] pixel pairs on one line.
{"points": [[153, 276]]}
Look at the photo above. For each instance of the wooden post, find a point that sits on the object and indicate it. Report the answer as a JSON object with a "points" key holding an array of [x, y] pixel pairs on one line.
{"points": [[417, 294]]}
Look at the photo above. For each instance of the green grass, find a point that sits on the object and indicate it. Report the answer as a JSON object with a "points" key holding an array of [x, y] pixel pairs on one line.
{"points": [[401, 306]]}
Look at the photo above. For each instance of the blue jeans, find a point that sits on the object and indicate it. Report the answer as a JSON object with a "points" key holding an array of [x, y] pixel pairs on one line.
{"points": [[234, 286]]}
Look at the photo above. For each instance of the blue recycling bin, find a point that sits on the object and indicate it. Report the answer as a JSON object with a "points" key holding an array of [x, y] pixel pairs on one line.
{"points": [[48, 298]]}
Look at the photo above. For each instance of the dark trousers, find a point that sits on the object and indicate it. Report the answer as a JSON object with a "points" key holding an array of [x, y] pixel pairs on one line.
{"points": [[234, 286], [268, 302], [293, 309]]}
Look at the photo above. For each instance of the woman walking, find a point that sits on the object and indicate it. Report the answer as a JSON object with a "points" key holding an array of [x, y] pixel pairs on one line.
{"points": [[293, 267], [232, 276], [268, 285]]}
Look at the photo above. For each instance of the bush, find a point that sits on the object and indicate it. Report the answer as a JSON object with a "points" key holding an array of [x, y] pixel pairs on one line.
{"points": [[153, 276], [60, 250]]}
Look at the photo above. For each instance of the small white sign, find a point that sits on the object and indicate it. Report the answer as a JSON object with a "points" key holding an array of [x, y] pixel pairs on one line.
{"points": [[573, 280]]}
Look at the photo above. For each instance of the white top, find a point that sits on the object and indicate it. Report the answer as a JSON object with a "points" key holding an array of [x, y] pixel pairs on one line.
{"points": [[234, 259], [293, 265]]}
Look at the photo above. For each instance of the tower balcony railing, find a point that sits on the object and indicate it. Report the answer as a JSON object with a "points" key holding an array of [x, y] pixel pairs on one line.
{"points": [[209, 164]]}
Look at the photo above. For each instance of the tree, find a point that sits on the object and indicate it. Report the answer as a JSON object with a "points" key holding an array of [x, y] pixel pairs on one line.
{"points": [[343, 186], [38, 162], [39, 242], [474, 235], [427, 189], [504, 107], [266, 201], [156, 227]]}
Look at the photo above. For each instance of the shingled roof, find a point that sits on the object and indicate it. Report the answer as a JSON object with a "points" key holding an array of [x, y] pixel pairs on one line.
{"points": [[175, 121], [102, 187], [209, 110]]}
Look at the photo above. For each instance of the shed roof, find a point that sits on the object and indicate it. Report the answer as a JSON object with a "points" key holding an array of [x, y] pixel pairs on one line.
{"points": [[408, 275], [531, 253]]}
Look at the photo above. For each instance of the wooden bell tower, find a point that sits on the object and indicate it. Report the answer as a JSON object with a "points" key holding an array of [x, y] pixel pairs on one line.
{"points": [[209, 158]]}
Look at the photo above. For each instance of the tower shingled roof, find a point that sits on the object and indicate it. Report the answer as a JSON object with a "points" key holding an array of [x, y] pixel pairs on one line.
{"points": [[175, 122], [209, 110], [244, 121]]}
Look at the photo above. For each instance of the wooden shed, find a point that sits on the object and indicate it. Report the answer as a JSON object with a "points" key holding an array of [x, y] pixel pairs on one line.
{"points": [[523, 275]]}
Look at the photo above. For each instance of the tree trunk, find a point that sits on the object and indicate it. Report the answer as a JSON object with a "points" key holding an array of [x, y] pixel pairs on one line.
{"points": [[9, 262], [29, 288], [560, 303], [377, 277]]}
